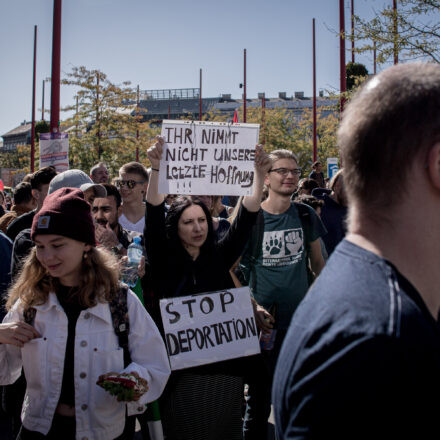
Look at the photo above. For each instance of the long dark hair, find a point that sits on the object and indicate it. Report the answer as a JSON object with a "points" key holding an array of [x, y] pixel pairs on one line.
{"points": [[175, 212]]}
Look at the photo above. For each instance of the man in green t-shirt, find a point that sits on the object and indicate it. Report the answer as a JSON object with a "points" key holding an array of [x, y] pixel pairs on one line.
{"points": [[283, 253]]}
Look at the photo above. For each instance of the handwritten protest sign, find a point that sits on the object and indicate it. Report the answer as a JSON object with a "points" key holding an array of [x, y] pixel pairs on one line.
{"points": [[208, 158], [54, 150], [210, 327]]}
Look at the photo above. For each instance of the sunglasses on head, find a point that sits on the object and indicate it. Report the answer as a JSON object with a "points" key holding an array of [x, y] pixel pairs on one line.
{"points": [[128, 183]]}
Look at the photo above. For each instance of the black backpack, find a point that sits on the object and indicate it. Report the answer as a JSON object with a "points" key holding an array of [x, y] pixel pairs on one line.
{"points": [[119, 312], [13, 395]]}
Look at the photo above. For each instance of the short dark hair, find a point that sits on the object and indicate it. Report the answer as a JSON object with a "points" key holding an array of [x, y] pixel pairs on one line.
{"points": [[311, 201], [388, 126], [95, 167], [175, 212], [308, 184], [113, 191], [135, 168], [22, 193], [315, 164], [42, 177]]}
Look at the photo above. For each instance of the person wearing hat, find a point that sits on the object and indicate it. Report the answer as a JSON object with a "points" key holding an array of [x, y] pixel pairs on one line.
{"points": [[69, 283], [78, 179]]}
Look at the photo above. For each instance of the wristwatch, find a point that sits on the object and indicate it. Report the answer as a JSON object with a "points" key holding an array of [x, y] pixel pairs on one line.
{"points": [[117, 249]]}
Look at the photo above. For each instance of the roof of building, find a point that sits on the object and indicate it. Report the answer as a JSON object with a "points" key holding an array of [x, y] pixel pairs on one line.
{"points": [[24, 127]]}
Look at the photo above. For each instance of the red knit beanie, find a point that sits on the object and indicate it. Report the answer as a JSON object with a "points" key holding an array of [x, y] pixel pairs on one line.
{"points": [[66, 213]]}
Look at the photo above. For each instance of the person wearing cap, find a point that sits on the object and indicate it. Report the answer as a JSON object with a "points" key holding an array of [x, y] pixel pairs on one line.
{"points": [[69, 283], [67, 179], [78, 179]]}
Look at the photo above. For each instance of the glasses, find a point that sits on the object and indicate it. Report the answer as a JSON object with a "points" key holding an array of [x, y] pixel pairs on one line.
{"points": [[286, 171], [128, 183]]}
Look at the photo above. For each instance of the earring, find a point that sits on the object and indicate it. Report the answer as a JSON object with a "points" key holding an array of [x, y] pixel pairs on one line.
{"points": [[85, 256]]}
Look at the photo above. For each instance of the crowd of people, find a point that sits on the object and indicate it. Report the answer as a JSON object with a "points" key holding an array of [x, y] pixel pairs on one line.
{"points": [[345, 257]]}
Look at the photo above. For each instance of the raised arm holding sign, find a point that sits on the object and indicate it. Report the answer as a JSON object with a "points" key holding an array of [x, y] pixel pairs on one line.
{"points": [[185, 260]]}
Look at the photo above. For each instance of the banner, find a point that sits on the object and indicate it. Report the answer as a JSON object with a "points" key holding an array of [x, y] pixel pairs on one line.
{"points": [[54, 151], [209, 327], [208, 158]]}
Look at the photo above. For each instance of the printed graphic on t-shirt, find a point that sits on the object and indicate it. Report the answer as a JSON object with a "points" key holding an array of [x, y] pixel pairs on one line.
{"points": [[283, 248]]}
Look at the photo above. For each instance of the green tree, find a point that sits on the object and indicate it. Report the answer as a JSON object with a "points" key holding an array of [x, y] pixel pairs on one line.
{"points": [[102, 127], [284, 129], [355, 70], [413, 32]]}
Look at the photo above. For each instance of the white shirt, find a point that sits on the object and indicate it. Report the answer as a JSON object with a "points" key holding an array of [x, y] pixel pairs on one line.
{"points": [[127, 224], [99, 416]]}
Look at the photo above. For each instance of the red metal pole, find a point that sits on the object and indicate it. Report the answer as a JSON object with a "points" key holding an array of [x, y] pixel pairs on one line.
{"points": [[343, 80], [396, 51], [137, 125], [315, 146], [374, 58], [42, 103], [33, 102], [352, 31], [200, 97], [244, 89], [169, 111], [263, 118], [56, 68]]}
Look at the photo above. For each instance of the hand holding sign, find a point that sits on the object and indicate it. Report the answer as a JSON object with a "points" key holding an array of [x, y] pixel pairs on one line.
{"points": [[262, 161], [154, 153], [262, 165]]}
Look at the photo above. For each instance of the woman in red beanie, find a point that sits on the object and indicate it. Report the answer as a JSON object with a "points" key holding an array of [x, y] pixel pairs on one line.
{"points": [[66, 285]]}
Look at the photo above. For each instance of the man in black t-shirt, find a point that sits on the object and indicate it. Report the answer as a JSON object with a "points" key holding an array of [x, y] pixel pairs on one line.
{"points": [[361, 358]]}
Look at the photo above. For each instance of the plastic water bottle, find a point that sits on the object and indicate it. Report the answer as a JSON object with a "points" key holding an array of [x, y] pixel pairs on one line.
{"points": [[134, 254]]}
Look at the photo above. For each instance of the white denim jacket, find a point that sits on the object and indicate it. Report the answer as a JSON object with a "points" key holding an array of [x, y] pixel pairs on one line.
{"points": [[99, 416]]}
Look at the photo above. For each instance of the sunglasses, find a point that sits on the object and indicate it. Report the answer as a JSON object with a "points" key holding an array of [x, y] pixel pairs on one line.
{"points": [[128, 183]]}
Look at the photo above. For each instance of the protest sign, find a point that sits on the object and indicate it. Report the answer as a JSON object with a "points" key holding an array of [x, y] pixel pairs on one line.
{"points": [[54, 151], [332, 166], [209, 327], [208, 158]]}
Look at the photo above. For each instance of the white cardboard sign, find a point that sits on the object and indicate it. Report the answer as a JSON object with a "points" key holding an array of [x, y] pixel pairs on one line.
{"points": [[209, 327], [54, 151], [208, 158]]}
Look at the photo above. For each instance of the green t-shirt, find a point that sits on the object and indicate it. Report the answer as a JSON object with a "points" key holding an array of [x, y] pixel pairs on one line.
{"points": [[278, 274]]}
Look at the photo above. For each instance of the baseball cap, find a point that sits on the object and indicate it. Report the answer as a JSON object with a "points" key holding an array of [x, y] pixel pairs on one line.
{"points": [[76, 179]]}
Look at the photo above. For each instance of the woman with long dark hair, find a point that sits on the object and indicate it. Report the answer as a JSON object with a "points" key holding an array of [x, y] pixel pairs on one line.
{"points": [[201, 402]]}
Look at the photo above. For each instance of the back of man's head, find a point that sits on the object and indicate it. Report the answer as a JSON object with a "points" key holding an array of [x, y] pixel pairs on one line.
{"points": [[42, 177], [386, 129], [22, 193]]}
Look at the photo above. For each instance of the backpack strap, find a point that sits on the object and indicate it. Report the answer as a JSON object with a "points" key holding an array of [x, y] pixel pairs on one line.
{"points": [[29, 315], [119, 311]]}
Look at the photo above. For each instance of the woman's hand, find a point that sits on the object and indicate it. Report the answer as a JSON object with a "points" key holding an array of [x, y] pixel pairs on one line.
{"points": [[262, 166], [17, 333], [262, 161], [154, 153], [263, 318]]}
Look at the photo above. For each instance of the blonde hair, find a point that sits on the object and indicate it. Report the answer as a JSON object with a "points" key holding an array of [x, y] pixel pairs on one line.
{"points": [[98, 280]]}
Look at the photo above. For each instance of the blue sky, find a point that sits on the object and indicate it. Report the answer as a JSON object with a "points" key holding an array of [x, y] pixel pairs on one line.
{"points": [[163, 44]]}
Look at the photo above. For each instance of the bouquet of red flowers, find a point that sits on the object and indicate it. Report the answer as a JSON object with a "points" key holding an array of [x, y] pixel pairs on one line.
{"points": [[125, 386]]}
